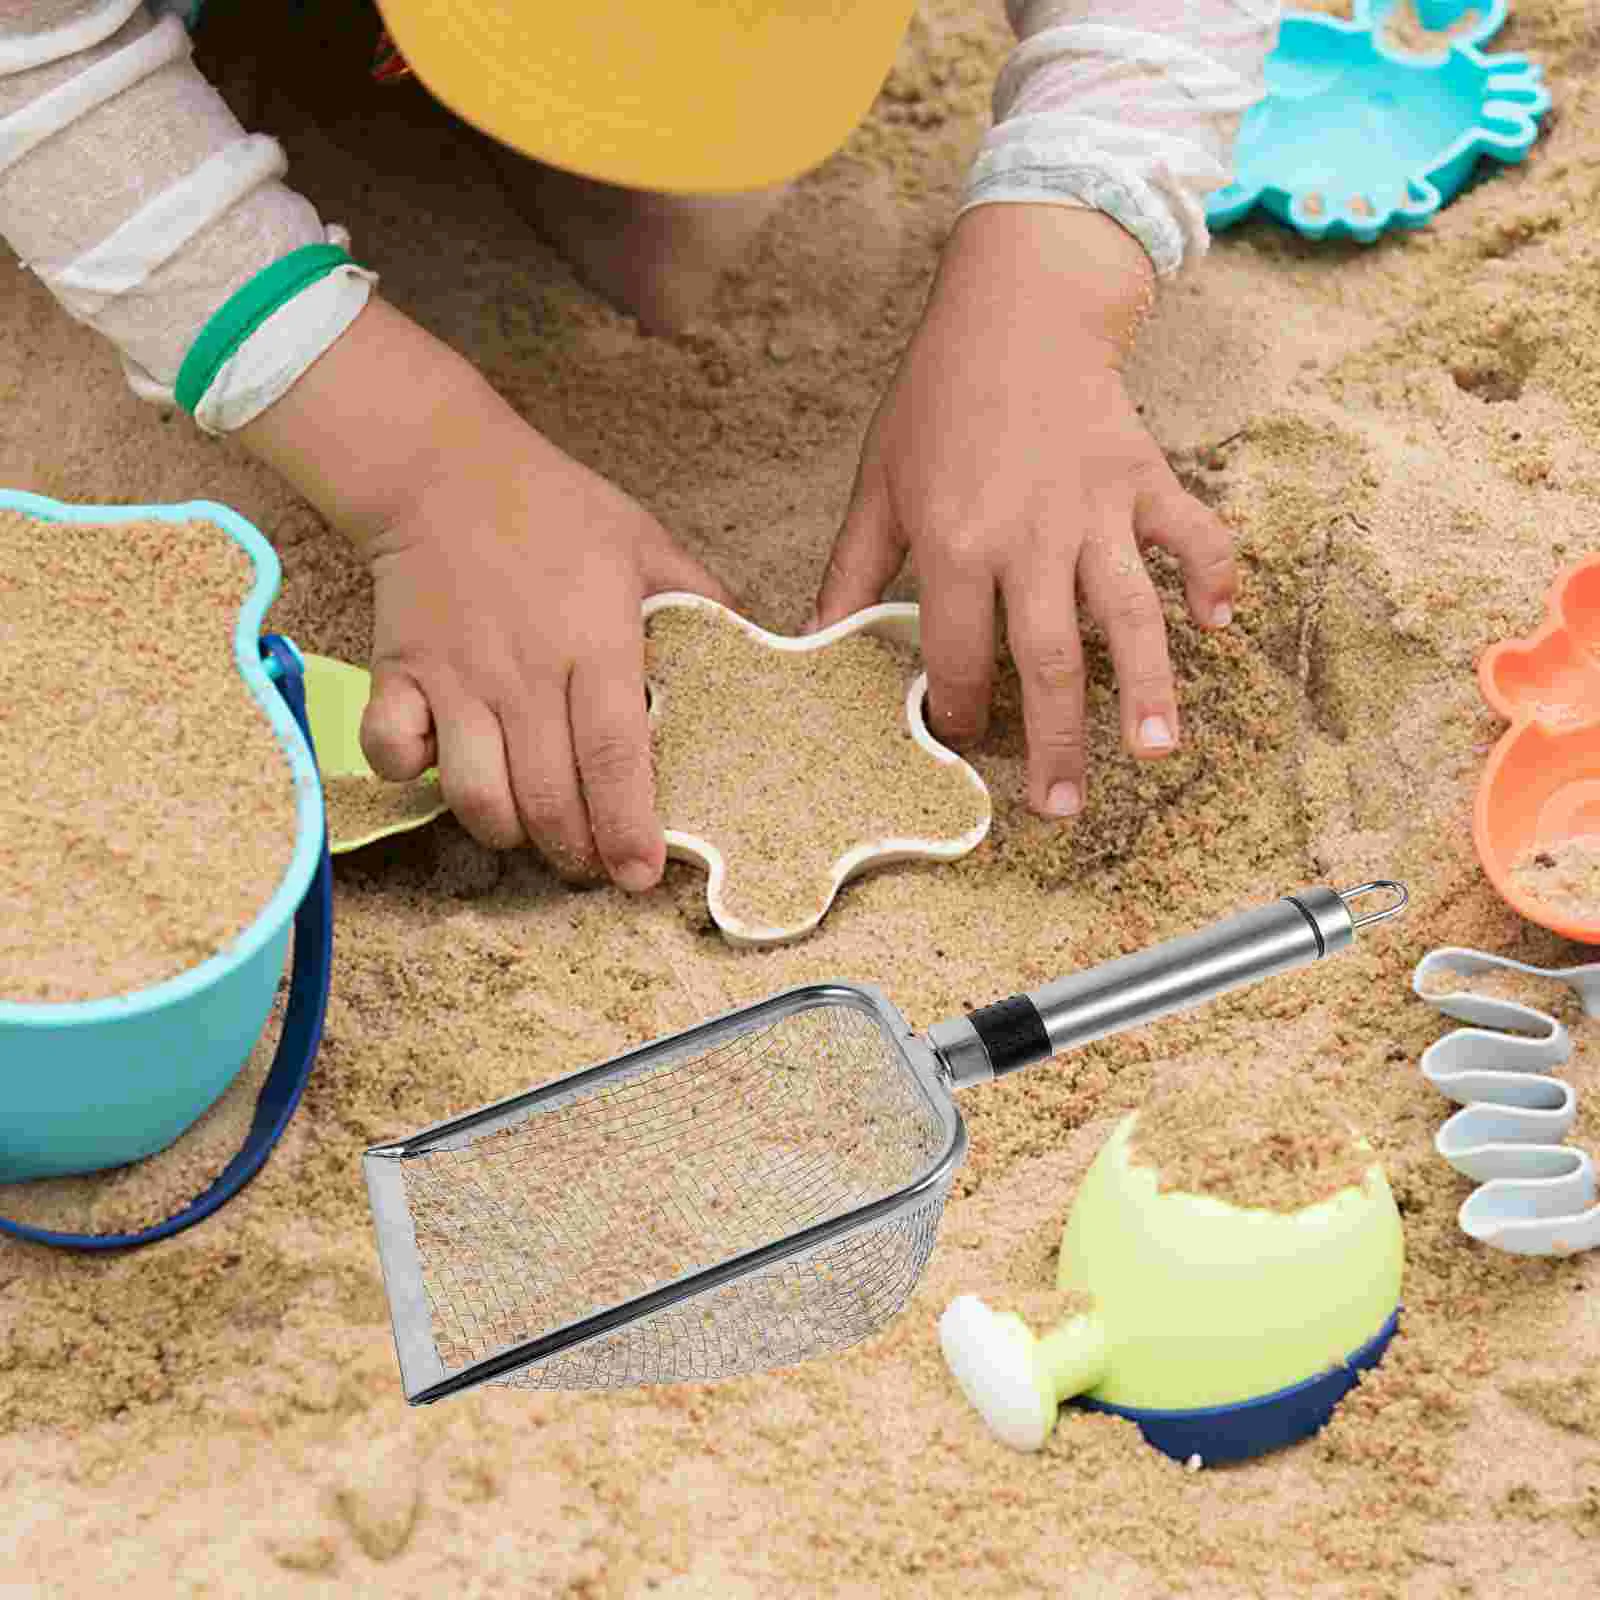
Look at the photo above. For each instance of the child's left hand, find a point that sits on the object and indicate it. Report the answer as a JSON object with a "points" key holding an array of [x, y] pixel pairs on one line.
{"points": [[1008, 456]]}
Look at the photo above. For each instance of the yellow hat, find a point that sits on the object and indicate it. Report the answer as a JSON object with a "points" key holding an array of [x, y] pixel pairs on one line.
{"points": [[681, 96]]}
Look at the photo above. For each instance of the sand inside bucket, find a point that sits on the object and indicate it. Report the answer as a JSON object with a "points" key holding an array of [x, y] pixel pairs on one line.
{"points": [[1273, 1148], [222, 1414], [785, 760], [148, 810]]}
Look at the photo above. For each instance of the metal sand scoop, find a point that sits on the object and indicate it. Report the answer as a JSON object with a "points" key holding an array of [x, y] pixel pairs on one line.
{"points": [[755, 1191]]}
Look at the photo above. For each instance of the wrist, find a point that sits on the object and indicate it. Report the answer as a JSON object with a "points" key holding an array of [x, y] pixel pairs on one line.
{"points": [[373, 422], [1068, 274]]}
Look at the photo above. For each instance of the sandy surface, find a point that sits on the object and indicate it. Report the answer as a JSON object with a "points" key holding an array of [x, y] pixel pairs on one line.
{"points": [[1411, 456]]}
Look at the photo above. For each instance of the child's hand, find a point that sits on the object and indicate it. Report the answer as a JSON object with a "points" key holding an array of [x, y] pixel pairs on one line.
{"points": [[508, 582], [508, 647], [1007, 456]]}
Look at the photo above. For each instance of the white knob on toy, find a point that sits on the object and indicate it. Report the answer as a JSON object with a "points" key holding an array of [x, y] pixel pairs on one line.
{"points": [[991, 1359]]}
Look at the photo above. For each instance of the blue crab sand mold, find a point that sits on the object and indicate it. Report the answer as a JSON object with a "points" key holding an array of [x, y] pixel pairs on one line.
{"points": [[1355, 138]]}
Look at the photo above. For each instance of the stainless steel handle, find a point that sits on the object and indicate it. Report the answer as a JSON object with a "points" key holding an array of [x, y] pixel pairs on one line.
{"points": [[1176, 976]]}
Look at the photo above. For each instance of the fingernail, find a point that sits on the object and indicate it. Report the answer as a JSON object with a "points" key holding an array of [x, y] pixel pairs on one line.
{"points": [[634, 876], [1063, 800], [1222, 615], [1154, 734]]}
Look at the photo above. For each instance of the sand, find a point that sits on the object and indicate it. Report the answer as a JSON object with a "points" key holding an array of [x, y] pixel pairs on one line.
{"points": [[1564, 876], [1222, 1136], [786, 761], [358, 808], [222, 1414], [147, 811]]}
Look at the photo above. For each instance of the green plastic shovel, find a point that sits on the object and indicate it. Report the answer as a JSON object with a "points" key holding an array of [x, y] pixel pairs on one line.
{"points": [[362, 807]]}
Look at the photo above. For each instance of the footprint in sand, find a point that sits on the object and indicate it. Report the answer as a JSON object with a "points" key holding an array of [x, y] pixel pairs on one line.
{"points": [[378, 1497]]}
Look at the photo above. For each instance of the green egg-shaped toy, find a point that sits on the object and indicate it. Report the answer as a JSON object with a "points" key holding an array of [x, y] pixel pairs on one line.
{"points": [[1223, 1331]]}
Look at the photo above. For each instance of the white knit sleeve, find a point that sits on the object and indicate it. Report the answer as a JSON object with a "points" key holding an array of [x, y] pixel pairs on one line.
{"points": [[1129, 107], [130, 189]]}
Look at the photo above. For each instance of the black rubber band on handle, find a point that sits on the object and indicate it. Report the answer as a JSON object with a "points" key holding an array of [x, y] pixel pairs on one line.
{"points": [[1012, 1032], [1311, 921]]}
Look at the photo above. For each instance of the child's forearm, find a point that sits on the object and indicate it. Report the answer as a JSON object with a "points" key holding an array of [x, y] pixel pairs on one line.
{"points": [[373, 424], [1072, 277], [1128, 107]]}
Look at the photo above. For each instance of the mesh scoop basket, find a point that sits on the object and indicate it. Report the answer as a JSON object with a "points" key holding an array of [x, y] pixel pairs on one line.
{"points": [[748, 1194]]}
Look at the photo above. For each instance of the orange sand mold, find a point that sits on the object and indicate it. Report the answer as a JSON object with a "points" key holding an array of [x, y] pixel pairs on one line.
{"points": [[1564, 876]]}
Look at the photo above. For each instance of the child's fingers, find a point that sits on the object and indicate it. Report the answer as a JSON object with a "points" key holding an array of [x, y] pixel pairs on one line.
{"points": [[957, 613], [867, 554], [1042, 621], [1118, 591], [543, 775], [473, 772], [1176, 522], [397, 727], [667, 568], [611, 739]]}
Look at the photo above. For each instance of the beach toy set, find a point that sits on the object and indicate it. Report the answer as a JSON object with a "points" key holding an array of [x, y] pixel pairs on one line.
{"points": [[101, 1083], [1360, 132], [1223, 1332]]}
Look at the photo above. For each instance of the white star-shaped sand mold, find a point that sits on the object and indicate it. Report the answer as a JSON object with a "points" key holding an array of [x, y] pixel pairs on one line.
{"points": [[785, 767]]}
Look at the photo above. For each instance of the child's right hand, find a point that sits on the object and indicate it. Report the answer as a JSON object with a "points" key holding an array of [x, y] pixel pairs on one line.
{"points": [[508, 581]]}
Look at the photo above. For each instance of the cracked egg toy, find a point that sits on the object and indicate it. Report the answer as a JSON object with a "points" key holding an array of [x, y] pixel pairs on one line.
{"points": [[1223, 1329]]}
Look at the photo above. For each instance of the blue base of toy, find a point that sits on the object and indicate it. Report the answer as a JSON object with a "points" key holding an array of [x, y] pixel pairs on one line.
{"points": [[1253, 1427], [1355, 138]]}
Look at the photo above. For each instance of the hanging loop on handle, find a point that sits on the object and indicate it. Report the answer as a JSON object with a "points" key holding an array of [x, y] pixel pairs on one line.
{"points": [[1401, 899]]}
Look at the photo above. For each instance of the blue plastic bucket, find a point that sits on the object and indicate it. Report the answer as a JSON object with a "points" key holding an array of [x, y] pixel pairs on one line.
{"points": [[101, 1083]]}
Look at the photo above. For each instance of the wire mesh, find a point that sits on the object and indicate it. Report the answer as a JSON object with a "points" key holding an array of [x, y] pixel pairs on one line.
{"points": [[674, 1166]]}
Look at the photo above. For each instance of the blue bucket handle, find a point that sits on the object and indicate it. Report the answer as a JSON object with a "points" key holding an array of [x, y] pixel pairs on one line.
{"points": [[297, 1045]]}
